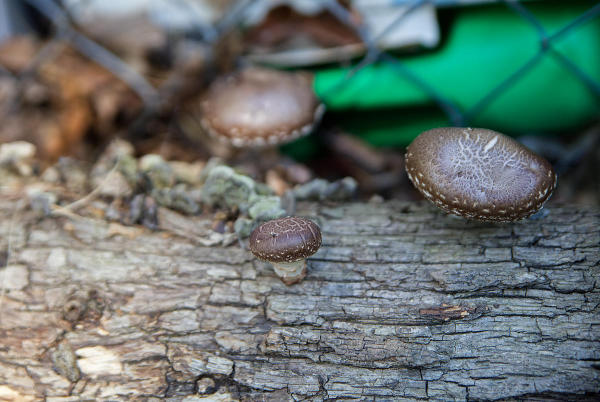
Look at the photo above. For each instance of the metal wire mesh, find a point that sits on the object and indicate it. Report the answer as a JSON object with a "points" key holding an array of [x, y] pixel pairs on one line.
{"points": [[456, 116], [63, 29]]}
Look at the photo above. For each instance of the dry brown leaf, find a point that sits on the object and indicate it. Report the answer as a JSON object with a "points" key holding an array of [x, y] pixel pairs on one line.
{"points": [[68, 97]]}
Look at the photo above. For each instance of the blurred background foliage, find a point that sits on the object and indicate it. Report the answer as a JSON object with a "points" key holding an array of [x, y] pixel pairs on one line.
{"points": [[74, 74]]}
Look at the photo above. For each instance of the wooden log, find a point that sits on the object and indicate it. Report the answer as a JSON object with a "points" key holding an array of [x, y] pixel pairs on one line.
{"points": [[401, 302]]}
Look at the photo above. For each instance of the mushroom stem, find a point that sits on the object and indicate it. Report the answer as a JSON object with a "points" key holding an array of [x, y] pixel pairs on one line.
{"points": [[290, 272]]}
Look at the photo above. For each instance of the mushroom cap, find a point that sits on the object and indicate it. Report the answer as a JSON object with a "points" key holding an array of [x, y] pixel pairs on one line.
{"points": [[479, 173], [285, 239], [258, 107]]}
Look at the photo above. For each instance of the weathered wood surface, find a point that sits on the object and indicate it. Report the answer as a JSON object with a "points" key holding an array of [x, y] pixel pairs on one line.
{"points": [[401, 302]]}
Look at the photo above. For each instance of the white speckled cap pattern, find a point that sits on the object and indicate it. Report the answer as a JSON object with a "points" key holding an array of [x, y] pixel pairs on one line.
{"points": [[478, 173], [285, 240], [260, 107]]}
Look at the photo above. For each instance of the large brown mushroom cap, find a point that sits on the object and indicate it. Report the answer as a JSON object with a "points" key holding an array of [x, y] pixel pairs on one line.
{"points": [[479, 173], [258, 106], [285, 240]]}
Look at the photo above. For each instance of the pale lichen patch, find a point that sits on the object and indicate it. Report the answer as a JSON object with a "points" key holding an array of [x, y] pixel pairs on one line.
{"points": [[96, 361]]}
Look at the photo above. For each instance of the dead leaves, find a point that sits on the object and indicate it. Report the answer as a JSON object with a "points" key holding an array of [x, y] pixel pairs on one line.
{"points": [[56, 97]]}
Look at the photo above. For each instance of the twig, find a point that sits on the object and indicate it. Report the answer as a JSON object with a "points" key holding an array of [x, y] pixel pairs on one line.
{"points": [[90, 196], [96, 52]]}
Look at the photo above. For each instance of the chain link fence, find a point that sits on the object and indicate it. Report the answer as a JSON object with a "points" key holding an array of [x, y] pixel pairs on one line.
{"points": [[546, 41], [61, 27]]}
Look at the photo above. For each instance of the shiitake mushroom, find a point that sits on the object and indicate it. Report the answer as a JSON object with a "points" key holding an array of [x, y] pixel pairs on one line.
{"points": [[479, 174]]}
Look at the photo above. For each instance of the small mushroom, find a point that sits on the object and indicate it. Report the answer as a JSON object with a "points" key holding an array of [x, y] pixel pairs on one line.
{"points": [[478, 173], [260, 107], [286, 243]]}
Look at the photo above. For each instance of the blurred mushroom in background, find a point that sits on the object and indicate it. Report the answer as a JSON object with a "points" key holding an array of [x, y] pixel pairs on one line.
{"points": [[254, 111]]}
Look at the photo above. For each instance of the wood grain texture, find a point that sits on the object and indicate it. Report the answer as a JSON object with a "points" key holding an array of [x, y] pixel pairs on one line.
{"points": [[401, 302]]}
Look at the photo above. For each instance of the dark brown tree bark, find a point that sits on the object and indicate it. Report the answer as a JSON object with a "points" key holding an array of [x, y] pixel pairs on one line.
{"points": [[400, 302]]}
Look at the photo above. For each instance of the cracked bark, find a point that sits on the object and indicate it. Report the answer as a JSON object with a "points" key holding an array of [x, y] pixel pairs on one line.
{"points": [[400, 302]]}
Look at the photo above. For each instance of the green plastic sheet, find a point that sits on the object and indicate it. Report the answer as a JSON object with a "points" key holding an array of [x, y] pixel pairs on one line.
{"points": [[482, 47]]}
